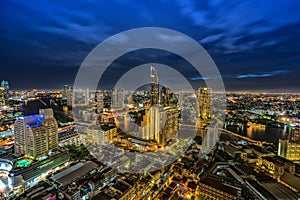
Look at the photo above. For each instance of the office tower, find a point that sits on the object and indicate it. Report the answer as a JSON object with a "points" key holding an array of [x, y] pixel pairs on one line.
{"points": [[51, 127], [154, 91], [145, 124], [68, 94], [35, 135], [99, 100], [289, 150], [282, 147], [204, 103], [210, 138], [5, 85], [160, 124], [2, 97], [117, 98], [20, 128], [152, 124], [30, 136], [180, 99], [122, 122], [167, 97], [170, 127], [86, 94], [295, 134]]}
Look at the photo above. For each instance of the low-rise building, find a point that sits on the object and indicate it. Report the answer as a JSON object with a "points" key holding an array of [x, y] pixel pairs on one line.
{"points": [[68, 137], [210, 188], [73, 180], [25, 178], [289, 150], [271, 165]]}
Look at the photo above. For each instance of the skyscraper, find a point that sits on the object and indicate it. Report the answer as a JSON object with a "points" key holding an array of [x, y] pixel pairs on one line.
{"points": [[289, 150], [204, 102], [117, 98], [51, 127], [2, 97], [99, 100], [5, 85], [167, 97], [295, 134], [86, 94], [160, 124], [152, 124], [35, 135], [154, 93], [68, 94], [210, 138]]}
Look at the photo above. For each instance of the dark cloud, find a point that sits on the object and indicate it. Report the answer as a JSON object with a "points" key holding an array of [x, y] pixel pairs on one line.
{"points": [[255, 43]]}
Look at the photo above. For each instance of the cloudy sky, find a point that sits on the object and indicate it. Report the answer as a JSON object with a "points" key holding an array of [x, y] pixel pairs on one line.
{"points": [[255, 44]]}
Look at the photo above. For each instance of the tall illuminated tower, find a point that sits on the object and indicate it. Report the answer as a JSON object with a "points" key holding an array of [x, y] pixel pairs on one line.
{"points": [[50, 124], [160, 124], [2, 97], [154, 93], [117, 98], [86, 94], [99, 96], [152, 124], [35, 135], [204, 102], [68, 94], [5, 85]]}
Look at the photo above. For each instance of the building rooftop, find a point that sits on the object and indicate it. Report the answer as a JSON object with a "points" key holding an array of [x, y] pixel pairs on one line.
{"points": [[73, 173], [43, 166], [32, 120], [40, 191], [218, 185], [283, 160], [279, 190], [273, 160], [122, 187], [291, 180], [192, 185], [102, 196], [260, 189], [67, 133]]}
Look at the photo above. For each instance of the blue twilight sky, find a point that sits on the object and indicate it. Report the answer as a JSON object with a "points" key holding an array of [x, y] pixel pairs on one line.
{"points": [[255, 43]]}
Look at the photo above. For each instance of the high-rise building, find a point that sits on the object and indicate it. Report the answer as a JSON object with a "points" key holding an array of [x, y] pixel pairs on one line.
{"points": [[117, 98], [289, 150], [160, 124], [2, 97], [51, 127], [99, 100], [180, 99], [86, 94], [5, 85], [210, 136], [167, 97], [152, 124], [35, 135], [295, 134], [68, 94], [170, 128], [154, 91], [204, 103]]}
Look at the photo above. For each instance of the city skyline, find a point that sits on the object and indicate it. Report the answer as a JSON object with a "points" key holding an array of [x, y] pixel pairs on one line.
{"points": [[255, 46], [162, 100]]}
